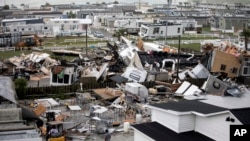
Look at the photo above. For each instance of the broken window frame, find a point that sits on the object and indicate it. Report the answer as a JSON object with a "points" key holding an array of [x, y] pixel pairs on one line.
{"points": [[223, 67], [245, 70], [156, 30], [234, 70]]}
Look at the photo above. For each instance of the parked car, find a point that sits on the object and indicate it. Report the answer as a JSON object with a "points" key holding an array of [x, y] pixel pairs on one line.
{"points": [[98, 34]]}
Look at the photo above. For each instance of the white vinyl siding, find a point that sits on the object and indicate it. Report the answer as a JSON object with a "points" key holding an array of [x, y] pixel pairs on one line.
{"points": [[177, 123], [160, 31], [168, 120], [186, 123], [214, 127], [138, 136]]}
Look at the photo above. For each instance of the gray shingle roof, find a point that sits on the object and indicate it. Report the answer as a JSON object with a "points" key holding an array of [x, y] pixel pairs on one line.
{"points": [[243, 115], [159, 132], [190, 105]]}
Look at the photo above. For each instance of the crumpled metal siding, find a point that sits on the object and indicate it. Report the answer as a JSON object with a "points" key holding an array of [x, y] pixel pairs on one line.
{"points": [[7, 89]]}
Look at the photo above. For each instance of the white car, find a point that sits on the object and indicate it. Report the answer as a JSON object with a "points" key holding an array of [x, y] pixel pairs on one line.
{"points": [[98, 34]]}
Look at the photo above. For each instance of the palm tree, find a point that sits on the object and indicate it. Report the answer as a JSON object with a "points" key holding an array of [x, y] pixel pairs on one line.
{"points": [[246, 34]]}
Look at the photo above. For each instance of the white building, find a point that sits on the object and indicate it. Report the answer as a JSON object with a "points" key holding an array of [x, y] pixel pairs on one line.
{"points": [[189, 25], [160, 30], [62, 75], [209, 119], [26, 26], [69, 26], [131, 25]]}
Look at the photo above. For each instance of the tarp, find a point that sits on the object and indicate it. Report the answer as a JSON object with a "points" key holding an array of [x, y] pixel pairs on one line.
{"points": [[7, 89]]}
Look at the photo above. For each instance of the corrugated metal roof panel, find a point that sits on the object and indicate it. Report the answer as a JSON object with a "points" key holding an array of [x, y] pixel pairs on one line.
{"points": [[7, 89]]}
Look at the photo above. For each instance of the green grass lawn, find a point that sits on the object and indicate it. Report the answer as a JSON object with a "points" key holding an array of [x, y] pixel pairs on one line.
{"points": [[206, 29], [9, 54], [75, 41], [81, 43], [194, 46]]}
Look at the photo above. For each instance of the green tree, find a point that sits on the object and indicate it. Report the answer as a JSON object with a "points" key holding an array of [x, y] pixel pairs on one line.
{"points": [[103, 3], [47, 4], [119, 33], [186, 3], [116, 2], [6, 7], [71, 14], [246, 34], [21, 84]]}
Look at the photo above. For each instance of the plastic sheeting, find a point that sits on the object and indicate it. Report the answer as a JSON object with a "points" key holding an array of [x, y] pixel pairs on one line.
{"points": [[7, 89]]}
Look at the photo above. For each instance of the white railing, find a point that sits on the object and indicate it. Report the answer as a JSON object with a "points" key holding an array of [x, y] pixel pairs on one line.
{"points": [[201, 35], [56, 47], [190, 41], [89, 39], [2, 49]]}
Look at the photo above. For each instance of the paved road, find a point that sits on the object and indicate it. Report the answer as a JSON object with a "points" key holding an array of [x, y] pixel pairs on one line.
{"points": [[105, 33]]}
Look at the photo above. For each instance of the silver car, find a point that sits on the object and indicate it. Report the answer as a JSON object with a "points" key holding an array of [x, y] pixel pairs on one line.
{"points": [[98, 34]]}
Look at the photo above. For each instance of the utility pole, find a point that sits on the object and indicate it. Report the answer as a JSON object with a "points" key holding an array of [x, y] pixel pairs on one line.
{"points": [[139, 4], [86, 39], [166, 32], [178, 61]]}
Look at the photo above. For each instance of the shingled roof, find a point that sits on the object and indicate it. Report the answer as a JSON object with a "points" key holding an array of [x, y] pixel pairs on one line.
{"points": [[190, 106], [158, 132], [243, 115]]}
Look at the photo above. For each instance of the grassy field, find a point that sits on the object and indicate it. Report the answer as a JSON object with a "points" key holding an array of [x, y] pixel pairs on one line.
{"points": [[78, 42], [70, 40], [195, 46], [9, 54]]}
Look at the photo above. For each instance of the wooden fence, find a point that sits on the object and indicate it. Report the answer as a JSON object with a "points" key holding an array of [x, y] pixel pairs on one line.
{"points": [[65, 91]]}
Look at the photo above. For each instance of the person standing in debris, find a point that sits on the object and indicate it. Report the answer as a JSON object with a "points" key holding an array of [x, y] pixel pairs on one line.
{"points": [[107, 135]]}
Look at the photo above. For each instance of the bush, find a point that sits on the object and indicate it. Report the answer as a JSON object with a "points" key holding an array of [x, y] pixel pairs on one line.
{"points": [[21, 84]]}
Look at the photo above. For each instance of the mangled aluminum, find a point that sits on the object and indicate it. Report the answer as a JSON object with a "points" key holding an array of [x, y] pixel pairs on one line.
{"points": [[135, 74], [127, 50], [188, 91], [94, 70], [136, 92], [36, 61], [215, 86], [197, 72]]}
